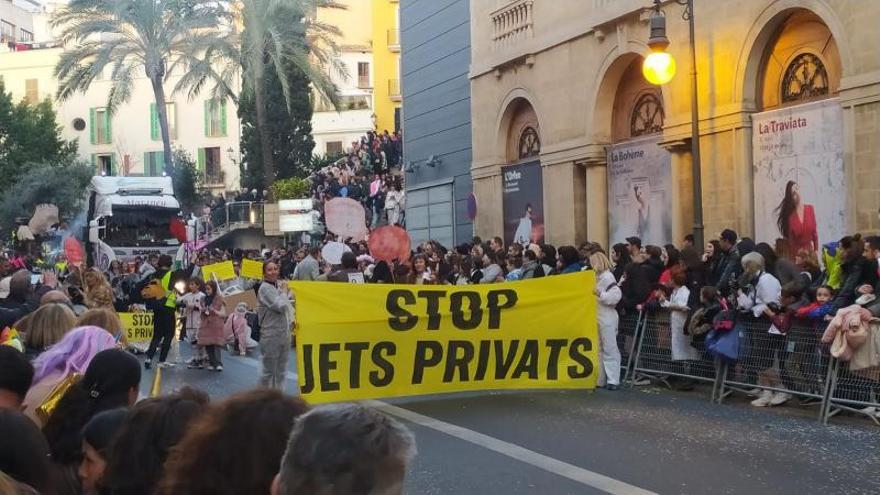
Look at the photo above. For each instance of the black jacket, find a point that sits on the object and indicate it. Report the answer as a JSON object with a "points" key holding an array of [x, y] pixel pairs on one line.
{"points": [[636, 288], [729, 268], [856, 272]]}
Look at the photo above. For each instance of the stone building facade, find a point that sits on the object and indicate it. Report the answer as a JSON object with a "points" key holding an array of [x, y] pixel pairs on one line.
{"points": [[567, 73]]}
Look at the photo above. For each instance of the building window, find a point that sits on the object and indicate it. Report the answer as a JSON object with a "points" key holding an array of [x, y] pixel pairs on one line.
{"points": [[7, 31], [647, 116], [102, 132], [333, 148], [215, 118], [209, 165], [804, 79], [155, 130], [529, 143], [26, 36], [104, 163], [32, 91], [363, 75], [154, 163]]}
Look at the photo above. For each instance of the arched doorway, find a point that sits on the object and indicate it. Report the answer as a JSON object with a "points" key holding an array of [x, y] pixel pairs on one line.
{"points": [[639, 169], [522, 181], [797, 137]]}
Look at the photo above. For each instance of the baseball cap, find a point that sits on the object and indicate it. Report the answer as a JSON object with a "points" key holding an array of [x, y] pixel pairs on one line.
{"points": [[729, 235]]}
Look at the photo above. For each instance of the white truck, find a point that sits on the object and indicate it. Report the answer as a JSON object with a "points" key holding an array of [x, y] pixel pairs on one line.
{"points": [[133, 216]]}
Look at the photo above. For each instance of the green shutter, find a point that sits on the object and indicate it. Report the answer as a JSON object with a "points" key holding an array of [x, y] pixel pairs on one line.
{"points": [[92, 130], [148, 169], [201, 161], [113, 164], [154, 122], [95, 162], [160, 163], [107, 126], [207, 118], [223, 118]]}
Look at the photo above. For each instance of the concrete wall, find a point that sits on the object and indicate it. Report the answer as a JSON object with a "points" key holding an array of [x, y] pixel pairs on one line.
{"points": [[436, 107], [386, 62]]}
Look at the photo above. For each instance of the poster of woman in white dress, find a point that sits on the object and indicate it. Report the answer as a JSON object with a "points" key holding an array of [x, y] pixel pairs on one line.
{"points": [[639, 196]]}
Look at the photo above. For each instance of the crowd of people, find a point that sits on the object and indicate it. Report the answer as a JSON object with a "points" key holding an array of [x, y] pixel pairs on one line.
{"points": [[70, 414], [369, 173], [98, 438]]}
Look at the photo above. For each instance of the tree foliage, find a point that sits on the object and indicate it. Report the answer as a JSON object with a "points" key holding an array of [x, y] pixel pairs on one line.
{"points": [[152, 37], [289, 129], [62, 184], [280, 37], [29, 134], [291, 188], [187, 180]]}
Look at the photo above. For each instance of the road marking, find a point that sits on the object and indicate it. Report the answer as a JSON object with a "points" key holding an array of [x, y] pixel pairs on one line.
{"points": [[522, 454], [549, 464]]}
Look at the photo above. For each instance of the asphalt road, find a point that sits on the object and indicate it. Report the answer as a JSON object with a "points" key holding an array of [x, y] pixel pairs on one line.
{"points": [[647, 440]]}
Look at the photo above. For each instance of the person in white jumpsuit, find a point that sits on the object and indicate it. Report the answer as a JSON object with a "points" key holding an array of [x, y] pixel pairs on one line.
{"points": [[608, 294], [682, 350]]}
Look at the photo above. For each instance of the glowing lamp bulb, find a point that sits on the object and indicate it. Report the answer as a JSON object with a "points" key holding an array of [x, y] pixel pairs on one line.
{"points": [[659, 68]]}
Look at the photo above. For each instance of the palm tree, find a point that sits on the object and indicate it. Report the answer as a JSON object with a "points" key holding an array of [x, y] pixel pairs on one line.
{"points": [[284, 35], [155, 36]]}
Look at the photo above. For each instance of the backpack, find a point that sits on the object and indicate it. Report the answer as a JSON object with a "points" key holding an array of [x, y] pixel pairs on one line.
{"points": [[725, 320]]}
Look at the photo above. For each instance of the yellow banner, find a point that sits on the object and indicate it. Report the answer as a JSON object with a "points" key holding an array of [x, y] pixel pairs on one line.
{"points": [[138, 326], [376, 340], [252, 269], [223, 270]]}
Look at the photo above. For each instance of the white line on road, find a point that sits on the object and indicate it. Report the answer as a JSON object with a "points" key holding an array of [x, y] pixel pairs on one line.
{"points": [[549, 464], [522, 454]]}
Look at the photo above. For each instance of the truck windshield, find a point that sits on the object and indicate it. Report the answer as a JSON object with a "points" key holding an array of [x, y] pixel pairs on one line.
{"points": [[139, 227]]}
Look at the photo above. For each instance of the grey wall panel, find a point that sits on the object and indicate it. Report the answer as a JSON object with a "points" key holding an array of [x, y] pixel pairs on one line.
{"points": [[435, 61]]}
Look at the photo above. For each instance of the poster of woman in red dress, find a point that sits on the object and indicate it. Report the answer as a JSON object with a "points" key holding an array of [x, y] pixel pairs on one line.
{"points": [[797, 221]]}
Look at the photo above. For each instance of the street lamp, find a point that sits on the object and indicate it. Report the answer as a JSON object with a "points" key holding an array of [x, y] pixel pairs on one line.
{"points": [[659, 68]]}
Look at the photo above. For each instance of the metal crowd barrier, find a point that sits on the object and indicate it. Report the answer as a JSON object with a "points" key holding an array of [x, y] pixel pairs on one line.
{"points": [[797, 364], [654, 360]]}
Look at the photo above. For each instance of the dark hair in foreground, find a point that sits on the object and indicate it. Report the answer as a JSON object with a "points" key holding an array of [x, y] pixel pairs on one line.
{"points": [[135, 460], [107, 384], [250, 427], [16, 372], [346, 449], [24, 453]]}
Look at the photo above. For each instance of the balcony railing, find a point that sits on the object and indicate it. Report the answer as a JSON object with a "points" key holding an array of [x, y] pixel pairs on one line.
{"points": [[394, 40], [394, 88], [512, 23], [231, 216]]}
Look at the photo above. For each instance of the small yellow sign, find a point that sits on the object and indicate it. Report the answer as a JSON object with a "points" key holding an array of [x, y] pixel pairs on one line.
{"points": [[223, 271], [252, 269], [138, 326]]}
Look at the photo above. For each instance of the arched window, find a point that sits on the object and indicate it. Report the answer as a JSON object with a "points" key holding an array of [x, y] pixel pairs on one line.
{"points": [[529, 143], [804, 79], [647, 115]]}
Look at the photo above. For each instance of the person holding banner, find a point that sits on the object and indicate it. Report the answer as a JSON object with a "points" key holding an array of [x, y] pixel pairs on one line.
{"points": [[608, 294], [276, 317]]}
